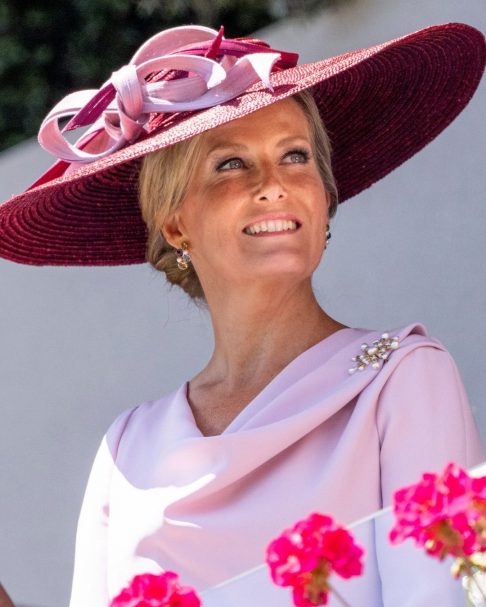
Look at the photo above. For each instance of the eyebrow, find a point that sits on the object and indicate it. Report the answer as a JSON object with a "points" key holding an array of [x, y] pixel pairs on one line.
{"points": [[221, 147]]}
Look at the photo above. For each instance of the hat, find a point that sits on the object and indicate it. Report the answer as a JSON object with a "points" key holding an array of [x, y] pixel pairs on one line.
{"points": [[379, 105]]}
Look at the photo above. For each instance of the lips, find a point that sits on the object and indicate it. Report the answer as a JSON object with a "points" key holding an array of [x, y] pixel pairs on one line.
{"points": [[271, 226]]}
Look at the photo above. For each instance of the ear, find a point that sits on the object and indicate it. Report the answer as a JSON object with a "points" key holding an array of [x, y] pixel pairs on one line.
{"points": [[172, 230]]}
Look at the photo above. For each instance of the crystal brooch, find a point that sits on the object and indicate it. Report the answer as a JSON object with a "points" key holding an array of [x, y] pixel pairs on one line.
{"points": [[372, 355]]}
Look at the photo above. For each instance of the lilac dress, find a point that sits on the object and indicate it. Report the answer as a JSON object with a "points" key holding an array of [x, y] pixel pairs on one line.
{"points": [[162, 496]]}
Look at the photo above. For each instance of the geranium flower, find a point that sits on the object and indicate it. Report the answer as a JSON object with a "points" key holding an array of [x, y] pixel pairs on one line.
{"points": [[446, 514], [305, 556], [150, 590]]}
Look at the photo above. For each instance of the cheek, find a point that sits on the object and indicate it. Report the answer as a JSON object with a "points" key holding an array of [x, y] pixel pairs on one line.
{"points": [[210, 230], [219, 210], [320, 215], [318, 203], [223, 196]]}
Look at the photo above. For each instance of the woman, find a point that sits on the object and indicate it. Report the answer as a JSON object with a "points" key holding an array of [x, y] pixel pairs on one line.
{"points": [[237, 200]]}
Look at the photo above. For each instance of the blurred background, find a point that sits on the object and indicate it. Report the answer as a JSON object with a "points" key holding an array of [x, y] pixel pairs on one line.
{"points": [[79, 345]]}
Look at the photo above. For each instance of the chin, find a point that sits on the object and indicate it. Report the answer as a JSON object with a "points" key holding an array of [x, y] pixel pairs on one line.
{"points": [[278, 270]]}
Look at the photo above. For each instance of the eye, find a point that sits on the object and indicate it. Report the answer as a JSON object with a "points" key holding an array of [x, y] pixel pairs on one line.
{"points": [[297, 156], [231, 163]]}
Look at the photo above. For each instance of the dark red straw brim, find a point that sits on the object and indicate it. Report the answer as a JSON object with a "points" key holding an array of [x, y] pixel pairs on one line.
{"points": [[380, 106]]}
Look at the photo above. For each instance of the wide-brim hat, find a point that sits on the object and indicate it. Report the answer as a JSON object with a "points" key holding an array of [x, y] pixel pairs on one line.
{"points": [[379, 105]]}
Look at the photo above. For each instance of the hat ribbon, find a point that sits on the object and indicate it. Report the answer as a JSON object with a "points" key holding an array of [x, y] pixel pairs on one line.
{"points": [[121, 108]]}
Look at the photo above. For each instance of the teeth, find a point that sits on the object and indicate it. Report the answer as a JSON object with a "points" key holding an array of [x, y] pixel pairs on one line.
{"points": [[275, 225]]}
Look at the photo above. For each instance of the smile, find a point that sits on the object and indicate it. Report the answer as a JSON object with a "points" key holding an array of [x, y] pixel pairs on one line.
{"points": [[271, 226]]}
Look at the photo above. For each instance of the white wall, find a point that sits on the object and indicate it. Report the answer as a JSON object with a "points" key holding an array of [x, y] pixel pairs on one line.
{"points": [[78, 345]]}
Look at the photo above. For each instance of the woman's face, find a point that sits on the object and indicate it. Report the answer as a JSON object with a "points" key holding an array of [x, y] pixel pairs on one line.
{"points": [[256, 208]]}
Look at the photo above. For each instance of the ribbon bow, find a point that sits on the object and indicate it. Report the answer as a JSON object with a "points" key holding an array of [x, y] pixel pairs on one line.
{"points": [[201, 69]]}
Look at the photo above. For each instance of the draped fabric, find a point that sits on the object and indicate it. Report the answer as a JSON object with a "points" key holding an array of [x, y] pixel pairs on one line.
{"points": [[163, 496]]}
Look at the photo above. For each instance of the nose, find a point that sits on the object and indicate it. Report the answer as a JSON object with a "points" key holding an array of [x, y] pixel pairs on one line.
{"points": [[270, 187]]}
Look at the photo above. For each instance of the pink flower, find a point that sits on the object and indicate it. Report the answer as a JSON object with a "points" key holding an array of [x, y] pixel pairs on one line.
{"points": [[163, 590], [338, 548], [305, 556], [446, 514]]}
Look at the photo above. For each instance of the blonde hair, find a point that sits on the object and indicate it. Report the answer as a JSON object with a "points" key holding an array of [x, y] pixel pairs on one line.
{"points": [[166, 174]]}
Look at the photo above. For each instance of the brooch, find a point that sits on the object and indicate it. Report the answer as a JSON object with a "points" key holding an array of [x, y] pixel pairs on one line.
{"points": [[372, 355]]}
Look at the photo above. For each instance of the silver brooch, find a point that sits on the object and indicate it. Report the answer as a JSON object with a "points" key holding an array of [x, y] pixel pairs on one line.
{"points": [[372, 355]]}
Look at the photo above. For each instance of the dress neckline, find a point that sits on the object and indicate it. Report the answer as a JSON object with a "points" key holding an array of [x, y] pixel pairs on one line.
{"points": [[326, 348]]}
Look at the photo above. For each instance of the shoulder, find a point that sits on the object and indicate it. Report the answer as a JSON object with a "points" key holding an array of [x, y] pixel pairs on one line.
{"points": [[421, 356], [420, 380], [418, 372], [412, 344], [386, 350], [140, 419], [407, 335]]}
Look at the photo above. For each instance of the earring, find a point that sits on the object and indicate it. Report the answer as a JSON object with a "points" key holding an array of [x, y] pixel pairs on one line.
{"points": [[183, 257], [328, 234]]}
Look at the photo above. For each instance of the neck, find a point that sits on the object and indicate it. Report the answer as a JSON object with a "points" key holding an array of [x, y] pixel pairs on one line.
{"points": [[258, 331]]}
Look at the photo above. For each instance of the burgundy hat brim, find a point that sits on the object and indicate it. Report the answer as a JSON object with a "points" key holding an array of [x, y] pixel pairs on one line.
{"points": [[380, 106]]}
